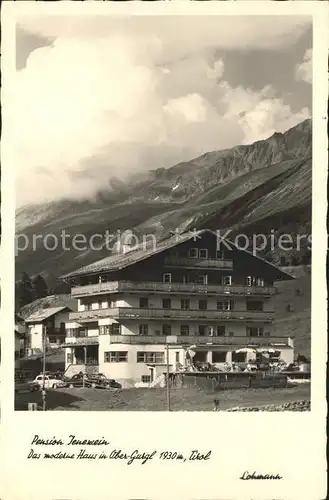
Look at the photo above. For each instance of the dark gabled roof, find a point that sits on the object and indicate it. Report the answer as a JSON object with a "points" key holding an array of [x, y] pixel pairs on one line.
{"points": [[43, 314], [141, 252], [138, 253], [59, 300]]}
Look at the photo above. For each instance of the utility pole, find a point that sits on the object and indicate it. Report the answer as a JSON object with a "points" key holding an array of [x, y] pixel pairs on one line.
{"points": [[44, 371], [168, 388]]}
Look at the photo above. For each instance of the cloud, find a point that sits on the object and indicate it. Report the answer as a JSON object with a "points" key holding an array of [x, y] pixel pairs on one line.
{"points": [[304, 70], [92, 107], [180, 35]]}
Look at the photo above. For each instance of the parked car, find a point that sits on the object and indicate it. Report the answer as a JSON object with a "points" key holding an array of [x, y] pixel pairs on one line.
{"points": [[24, 386], [51, 382], [100, 381], [77, 380]]}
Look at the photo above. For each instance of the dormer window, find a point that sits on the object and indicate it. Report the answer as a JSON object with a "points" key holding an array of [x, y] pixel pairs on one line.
{"points": [[202, 279], [227, 280], [167, 278], [203, 253], [193, 253]]}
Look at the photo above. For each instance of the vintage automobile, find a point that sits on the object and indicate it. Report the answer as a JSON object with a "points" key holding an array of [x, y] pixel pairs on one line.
{"points": [[50, 381], [77, 380], [100, 381], [97, 381]]}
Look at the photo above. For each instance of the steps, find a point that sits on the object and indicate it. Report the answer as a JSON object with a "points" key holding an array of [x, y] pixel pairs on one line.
{"points": [[160, 381]]}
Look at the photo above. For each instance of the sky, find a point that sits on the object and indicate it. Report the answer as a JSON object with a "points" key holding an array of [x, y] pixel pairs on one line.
{"points": [[98, 97]]}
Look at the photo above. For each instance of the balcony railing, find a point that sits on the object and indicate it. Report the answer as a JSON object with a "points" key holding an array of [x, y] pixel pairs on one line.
{"points": [[83, 341], [175, 288], [198, 263], [200, 340], [172, 314]]}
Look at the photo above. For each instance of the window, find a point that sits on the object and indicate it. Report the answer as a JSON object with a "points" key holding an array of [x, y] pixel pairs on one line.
{"points": [[202, 330], [253, 331], [150, 357], [218, 357], [238, 357], [200, 357], [146, 379], [260, 282], [143, 302], [166, 303], [177, 357], [275, 356], [193, 253], [115, 357], [184, 330], [254, 305], [167, 278], [250, 281], [203, 304], [166, 329], [86, 303], [203, 253], [227, 280], [226, 305], [220, 330], [104, 330], [143, 329], [114, 329], [185, 303], [202, 279]]}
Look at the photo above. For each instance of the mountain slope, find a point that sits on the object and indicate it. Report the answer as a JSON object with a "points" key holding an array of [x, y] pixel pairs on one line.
{"points": [[254, 188]]}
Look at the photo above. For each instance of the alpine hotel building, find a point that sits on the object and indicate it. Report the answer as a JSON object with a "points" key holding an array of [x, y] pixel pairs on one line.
{"points": [[184, 292]]}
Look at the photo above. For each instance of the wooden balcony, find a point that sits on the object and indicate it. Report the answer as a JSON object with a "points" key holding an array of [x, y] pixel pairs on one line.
{"points": [[81, 341], [170, 288], [200, 340], [190, 263], [132, 313]]}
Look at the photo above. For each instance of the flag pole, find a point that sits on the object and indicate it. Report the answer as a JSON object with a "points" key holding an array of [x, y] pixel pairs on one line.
{"points": [[168, 388], [44, 371]]}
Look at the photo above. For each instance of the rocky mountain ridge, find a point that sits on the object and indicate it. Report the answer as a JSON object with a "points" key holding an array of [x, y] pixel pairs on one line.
{"points": [[263, 186]]}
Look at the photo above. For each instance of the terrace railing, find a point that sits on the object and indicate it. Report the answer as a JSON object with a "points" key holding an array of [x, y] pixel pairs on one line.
{"points": [[200, 340], [159, 287], [173, 314], [189, 262]]}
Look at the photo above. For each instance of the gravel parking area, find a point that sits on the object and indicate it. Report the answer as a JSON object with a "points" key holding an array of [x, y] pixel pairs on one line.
{"points": [[183, 399]]}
